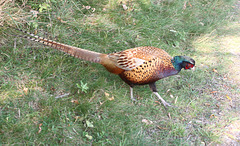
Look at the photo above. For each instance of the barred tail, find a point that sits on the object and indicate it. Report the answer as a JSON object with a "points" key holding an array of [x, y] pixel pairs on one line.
{"points": [[71, 50]]}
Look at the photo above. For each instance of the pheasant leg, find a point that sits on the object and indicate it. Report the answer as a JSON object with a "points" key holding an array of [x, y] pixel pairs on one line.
{"points": [[131, 93], [154, 90]]}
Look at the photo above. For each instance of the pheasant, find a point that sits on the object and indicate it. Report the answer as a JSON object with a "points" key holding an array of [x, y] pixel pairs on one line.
{"points": [[136, 66]]}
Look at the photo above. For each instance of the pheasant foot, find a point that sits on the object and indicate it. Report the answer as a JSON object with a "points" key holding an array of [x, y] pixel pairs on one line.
{"points": [[163, 101]]}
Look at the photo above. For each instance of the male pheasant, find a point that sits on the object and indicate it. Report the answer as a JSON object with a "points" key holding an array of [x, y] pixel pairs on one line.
{"points": [[136, 66]]}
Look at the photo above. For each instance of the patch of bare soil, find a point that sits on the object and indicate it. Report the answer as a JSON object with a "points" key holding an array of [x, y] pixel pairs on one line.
{"points": [[231, 45]]}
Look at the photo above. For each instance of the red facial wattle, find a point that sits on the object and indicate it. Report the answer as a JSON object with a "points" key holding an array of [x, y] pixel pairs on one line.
{"points": [[189, 65]]}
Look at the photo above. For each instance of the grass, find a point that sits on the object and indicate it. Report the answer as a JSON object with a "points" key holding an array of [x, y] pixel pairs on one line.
{"points": [[98, 109]]}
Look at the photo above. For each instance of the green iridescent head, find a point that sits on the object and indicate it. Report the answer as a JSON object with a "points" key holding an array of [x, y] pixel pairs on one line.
{"points": [[180, 62]]}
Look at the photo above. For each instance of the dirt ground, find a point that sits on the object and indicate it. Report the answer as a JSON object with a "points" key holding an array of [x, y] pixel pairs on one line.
{"points": [[230, 43]]}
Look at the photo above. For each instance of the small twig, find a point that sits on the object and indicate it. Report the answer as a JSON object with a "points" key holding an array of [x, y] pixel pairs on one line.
{"points": [[175, 101], [61, 96], [169, 115], [15, 44], [19, 113], [75, 131], [39, 128]]}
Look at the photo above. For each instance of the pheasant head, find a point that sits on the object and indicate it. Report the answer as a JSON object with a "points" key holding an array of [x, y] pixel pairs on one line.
{"points": [[180, 62]]}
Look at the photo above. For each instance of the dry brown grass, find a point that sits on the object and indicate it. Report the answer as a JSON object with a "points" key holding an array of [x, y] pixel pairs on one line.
{"points": [[11, 13]]}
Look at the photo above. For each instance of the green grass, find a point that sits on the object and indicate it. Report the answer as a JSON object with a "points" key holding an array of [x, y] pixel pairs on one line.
{"points": [[32, 75]]}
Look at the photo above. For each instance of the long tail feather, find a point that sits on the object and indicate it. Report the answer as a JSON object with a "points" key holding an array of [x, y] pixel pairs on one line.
{"points": [[71, 50]]}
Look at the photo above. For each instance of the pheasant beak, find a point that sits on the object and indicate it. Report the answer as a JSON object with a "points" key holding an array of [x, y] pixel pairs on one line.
{"points": [[193, 68], [192, 65]]}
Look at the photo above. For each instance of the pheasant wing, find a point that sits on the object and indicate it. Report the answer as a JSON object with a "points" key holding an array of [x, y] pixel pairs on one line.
{"points": [[132, 58]]}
